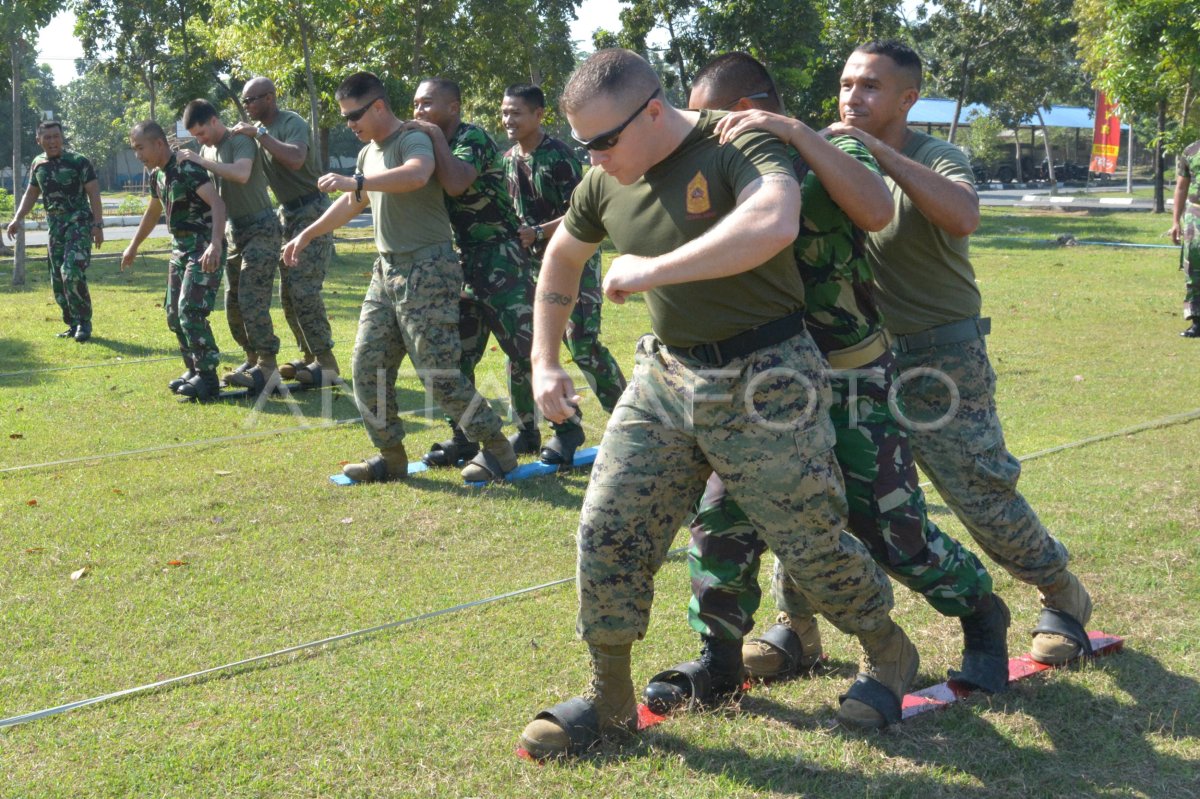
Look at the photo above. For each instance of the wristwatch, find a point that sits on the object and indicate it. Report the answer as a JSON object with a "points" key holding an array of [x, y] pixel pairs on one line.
{"points": [[359, 177], [262, 130], [538, 233]]}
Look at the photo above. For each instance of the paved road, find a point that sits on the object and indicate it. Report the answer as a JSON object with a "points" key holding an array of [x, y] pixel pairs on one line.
{"points": [[118, 232]]}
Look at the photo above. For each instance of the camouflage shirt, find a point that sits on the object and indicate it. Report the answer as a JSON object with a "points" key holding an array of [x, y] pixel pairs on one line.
{"points": [[541, 183], [189, 217], [830, 253], [1188, 166], [484, 212], [61, 181]]}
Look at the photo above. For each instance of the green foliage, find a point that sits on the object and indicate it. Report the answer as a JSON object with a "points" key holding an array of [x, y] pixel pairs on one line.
{"points": [[7, 204], [982, 138], [132, 205]]}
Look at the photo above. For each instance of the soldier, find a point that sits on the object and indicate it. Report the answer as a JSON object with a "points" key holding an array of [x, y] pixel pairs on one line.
{"points": [[931, 302], [195, 217], [842, 193], [70, 193], [729, 380], [498, 274], [255, 235], [541, 172], [411, 306], [1188, 207], [292, 170]]}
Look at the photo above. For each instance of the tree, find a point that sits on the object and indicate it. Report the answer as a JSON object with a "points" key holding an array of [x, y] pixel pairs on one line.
{"points": [[20, 22], [1144, 54], [94, 110]]}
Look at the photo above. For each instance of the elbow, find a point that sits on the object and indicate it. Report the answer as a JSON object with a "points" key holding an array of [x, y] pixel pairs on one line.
{"points": [[878, 218], [783, 232], [965, 224]]}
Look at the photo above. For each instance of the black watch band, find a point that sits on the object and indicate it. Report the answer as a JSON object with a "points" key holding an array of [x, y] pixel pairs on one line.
{"points": [[359, 177]]}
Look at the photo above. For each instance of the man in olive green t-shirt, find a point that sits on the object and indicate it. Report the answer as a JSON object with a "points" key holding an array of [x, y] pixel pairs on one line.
{"points": [[729, 380], [931, 304], [292, 168], [411, 307], [254, 237]]}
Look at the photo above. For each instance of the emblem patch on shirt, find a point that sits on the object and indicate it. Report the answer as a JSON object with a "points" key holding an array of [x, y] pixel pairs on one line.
{"points": [[698, 202]]}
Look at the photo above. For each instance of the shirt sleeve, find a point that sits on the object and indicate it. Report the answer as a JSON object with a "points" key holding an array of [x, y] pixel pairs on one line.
{"points": [[852, 146], [565, 175], [951, 163], [243, 147], [753, 156], [193, 174], [475, 148], [293, 131], [416, 143], [584, 216], [87, 172]]}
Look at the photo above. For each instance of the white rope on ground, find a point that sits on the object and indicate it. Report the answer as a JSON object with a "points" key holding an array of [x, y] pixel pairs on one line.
{"points": [[53, 711]]}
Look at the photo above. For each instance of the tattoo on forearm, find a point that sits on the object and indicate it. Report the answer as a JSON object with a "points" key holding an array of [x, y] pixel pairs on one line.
{"points": [[777, 177], [554, 298]]}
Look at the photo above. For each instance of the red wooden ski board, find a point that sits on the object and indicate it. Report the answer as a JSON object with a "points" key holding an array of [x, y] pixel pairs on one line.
{"points": [[935, 696]]}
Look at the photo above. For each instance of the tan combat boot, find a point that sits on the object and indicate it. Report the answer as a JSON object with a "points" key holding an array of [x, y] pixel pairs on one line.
{"points": [[1068, 595], [890, 661], [390, 464], [323, 370], [608, 706], [496, 458], [791, 646], [244, 366], [288, 370]]}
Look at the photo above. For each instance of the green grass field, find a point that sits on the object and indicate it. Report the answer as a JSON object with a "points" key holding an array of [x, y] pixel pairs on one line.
{"points": [[219, 538]]}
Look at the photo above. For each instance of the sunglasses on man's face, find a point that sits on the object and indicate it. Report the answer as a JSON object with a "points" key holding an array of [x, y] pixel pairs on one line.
{"points": [[608, 139], [357, 114], [254, 99]]}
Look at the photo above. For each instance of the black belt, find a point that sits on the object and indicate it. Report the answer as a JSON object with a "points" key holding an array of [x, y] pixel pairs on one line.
{"points": [[719, 353], [250, 219], [951, 333], [301, 201]]}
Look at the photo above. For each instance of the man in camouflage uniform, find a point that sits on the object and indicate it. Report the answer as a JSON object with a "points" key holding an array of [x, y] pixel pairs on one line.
{"points": [[841, 193], [70, 193], [411, 306], [541, 173], [255, 236], [931, 303], [729, 381], [195, 217], [498, 273], [292, 170], [1187, 209]]}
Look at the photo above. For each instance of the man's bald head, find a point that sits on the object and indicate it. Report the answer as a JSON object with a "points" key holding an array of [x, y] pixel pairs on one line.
{"points": [[622, 75], [259, 85]]}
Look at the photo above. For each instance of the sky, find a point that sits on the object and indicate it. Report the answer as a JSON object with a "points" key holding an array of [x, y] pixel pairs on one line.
{"points": [[58, 47]]}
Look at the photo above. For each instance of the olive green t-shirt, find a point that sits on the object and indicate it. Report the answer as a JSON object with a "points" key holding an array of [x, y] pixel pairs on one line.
{"points": [[678, 200], [924, 274], [409, 220], [241, 199], [288, 184]]}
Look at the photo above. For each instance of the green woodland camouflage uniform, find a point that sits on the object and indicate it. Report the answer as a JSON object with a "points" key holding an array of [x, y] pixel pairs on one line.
{"points": [[540, 185], [497, 272], [886, 507], [191, 292], [69, 213], [1189, 167]]}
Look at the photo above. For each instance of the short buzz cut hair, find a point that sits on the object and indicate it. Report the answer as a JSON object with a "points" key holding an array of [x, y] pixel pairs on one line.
{"points": [[198, 112], [148, 129], [615, 72], [904, 56], [445, 86], [361, 86], [532, 95], [46, 124], [732, 76]]}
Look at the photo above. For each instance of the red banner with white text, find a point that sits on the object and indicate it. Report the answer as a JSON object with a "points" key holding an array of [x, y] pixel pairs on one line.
{"points": [[1106, 138]]}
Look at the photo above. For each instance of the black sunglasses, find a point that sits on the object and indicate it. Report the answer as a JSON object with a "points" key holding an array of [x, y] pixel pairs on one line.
{"points": [[255, 98], [357, 114], [608, 139]]}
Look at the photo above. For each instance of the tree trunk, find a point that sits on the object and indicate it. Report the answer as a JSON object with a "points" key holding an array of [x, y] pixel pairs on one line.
{"points": [[958, 101], [18, 275], [1129, 159], [1049, 153], [1017, 154], [313, 109], [1160, 204]]}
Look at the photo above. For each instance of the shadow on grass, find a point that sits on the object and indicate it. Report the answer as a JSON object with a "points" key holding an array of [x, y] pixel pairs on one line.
{"points": [[16, 355]]}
